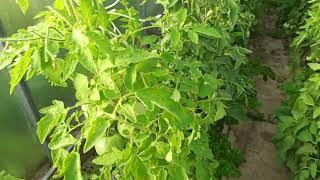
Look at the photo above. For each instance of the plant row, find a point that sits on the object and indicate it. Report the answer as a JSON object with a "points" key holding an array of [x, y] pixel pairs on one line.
{"points": [[298, 118], [149, 105]]}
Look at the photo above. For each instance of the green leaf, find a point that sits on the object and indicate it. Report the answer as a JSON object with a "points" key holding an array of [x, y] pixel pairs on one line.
{"points": [[304, 135], [108, 158], [58, 156], [194, 37], [59, 4], [178, 173], [81, 84], [204, 29], [175, 38], [162, 174], [141, 171], [56, 109], [106, 144], [24, 5], [20, 69], [306, 149], [314, 66], [110, 94], [149, 39], [161, 98], [45, 126], [316, 113], [313, 169], [72, 62], [130, 76], [86, 60], [96, 131], [61, 141], [181, 16], [71, 167], [128, 111], [221, 112], [299, 109], [132, 55], [307, 99]]}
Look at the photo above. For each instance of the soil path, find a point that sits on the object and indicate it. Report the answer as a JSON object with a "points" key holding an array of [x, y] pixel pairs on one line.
{"points": [[255, 138]]}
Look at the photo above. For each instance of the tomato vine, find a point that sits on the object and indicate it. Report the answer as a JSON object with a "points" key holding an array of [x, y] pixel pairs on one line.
{"points": [[150, 105]]}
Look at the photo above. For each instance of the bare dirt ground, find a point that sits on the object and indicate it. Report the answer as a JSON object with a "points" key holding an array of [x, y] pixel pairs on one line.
{"points": [[254, 138]]}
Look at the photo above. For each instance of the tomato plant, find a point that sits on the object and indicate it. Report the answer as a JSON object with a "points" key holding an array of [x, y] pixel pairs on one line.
{"points": [[150, 105], [298, 127]]}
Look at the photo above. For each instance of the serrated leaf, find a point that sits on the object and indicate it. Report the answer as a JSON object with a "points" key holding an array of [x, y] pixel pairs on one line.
{"points": [[20, 69], [96, 131], [24, 5], [72, 167], [128, 111], [108, 158], [204, 29]]}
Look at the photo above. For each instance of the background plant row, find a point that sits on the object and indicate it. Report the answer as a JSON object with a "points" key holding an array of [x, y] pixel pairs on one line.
{"points": [[298, 118]]}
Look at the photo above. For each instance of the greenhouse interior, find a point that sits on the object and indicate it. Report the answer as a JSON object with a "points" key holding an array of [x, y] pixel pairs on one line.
{"points": [[160, 89]]}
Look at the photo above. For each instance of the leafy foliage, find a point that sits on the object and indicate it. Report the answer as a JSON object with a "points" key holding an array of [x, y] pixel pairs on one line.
{"points": [[147, 103], [298, 127]]}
